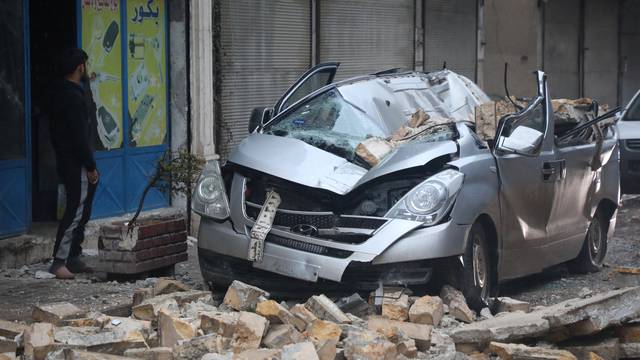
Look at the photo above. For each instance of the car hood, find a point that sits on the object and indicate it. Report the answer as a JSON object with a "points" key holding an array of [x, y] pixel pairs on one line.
{"points": [[298, 162]]}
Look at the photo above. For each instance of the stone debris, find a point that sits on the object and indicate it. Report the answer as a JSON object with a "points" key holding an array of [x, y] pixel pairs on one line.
{"points": [[418, 332], [301, 312], [457, 304], [507, 304], [325, 309], [168, 286], [10, 329], [395, 305], [369, 345], [156, 353], [172, 329], [304, 350], [179, 323], [39, 341], [353, 304], [40, 274], [280, 335], [243, 297], [427, 310], [278, 314], [56, 312], [518, 351]]}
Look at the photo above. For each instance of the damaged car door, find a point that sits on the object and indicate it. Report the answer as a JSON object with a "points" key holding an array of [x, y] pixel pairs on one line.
{"points": [[528, 169]]}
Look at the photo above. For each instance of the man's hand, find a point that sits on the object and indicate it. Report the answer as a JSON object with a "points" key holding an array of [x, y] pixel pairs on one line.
{"points": [[93, 176]]}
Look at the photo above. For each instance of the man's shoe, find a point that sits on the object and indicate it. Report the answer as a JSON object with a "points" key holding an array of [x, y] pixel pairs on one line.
{"points": [[76, 266], [61, 272]]}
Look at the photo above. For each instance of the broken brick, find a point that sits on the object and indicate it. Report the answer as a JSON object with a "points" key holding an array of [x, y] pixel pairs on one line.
{"points": [[243, 297], [56, 312]]}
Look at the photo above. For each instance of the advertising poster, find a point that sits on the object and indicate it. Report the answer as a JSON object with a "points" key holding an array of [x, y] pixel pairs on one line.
{"points": [[101, 32], [146, 63]]}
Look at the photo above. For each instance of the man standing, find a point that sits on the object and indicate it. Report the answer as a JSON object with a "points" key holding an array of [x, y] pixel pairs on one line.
{"points": [[71, 138]]}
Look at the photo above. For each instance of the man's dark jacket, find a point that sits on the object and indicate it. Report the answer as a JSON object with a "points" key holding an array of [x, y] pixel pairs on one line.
{"points": [[70, 128]]}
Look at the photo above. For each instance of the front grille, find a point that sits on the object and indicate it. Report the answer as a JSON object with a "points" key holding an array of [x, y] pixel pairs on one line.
{"points": [[307, 247], [320, 221], [633, 144]]}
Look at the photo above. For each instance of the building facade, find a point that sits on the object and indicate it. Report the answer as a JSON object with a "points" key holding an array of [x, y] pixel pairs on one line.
{"points": [[173, 73]]}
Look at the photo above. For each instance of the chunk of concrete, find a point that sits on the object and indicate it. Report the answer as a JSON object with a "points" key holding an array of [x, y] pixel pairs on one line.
{"points": [[155, 353], [149, 308], [249, 331], [407, 348], [605, 348], [220, 323], [39, 341], [243, 297], [507, 304], [94, 339], [321, 330], [303, 350], [353, 304], [591, 315], [227, 356], [56, 312], [302, 313], [323, 308], [369, 345], [509, 328], [8, 345], [395, 305], [197, 347], [280, 335], [419, 332], [168, 286], [518, 351], [457, 304], [326, 349], [172, 329], [258, 354], [427, 310], [630, 350], [76, 354], [10, 329], [140, 295], [278, 314]]}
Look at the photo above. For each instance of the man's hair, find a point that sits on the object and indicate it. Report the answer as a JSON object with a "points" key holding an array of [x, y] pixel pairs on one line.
{"points": [[70, 59]]}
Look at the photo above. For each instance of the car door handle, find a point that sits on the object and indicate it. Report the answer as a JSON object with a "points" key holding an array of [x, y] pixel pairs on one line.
{"points": [[551, 169]]}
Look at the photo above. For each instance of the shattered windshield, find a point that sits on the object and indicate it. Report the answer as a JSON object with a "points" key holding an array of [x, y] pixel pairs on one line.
{"points": [[364, 121]]}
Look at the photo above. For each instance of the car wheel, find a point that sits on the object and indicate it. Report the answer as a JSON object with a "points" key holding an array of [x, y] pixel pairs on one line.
{"points": [[475, 277], [594, 247]]}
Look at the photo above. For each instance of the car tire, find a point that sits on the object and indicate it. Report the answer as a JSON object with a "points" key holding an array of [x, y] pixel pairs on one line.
{"points": [[594, 247], [475, 277]]}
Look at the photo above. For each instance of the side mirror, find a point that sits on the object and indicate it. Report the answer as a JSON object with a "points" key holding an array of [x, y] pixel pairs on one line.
{"points": [[522, 140], [259, 116]]}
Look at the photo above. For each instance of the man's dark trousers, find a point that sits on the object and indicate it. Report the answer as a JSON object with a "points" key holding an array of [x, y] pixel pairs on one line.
{"points": [[79, 196]]}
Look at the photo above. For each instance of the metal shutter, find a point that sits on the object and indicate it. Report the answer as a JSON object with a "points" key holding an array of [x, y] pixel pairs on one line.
{"points": [[630, 50], [561, 47], [366, 36], [601, 51], [266, 46], [450, 35]]}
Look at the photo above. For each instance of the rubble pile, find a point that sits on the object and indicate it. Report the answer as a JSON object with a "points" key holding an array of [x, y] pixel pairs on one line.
{"points": [[171, 321]]}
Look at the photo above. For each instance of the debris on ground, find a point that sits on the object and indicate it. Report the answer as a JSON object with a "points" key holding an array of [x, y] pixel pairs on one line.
{"points": [[171, 321], [627, 270]]}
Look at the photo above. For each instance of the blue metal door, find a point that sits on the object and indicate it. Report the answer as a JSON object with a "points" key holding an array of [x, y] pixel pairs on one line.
{"points": [[15, 209], [126, 42]]}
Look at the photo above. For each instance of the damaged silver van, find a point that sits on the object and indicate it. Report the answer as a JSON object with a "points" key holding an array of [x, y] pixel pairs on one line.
{"points": [[382, 180]]}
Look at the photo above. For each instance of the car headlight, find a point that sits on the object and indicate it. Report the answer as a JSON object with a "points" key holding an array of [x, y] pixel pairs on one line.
{"points": [[430, 201], [210, 198]]}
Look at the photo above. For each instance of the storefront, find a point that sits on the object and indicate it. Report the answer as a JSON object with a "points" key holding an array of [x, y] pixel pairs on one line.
{"points": [[127, 43]]}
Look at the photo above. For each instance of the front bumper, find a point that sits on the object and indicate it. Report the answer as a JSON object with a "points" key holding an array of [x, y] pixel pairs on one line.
{"points": [[629, 169], [398, 254]]}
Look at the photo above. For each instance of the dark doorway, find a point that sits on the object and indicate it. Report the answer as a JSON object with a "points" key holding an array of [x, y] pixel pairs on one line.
{"points": [[52, 28]]}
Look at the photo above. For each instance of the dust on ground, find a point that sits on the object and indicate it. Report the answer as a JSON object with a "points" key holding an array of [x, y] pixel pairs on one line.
{"points": [[19, 290]]}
